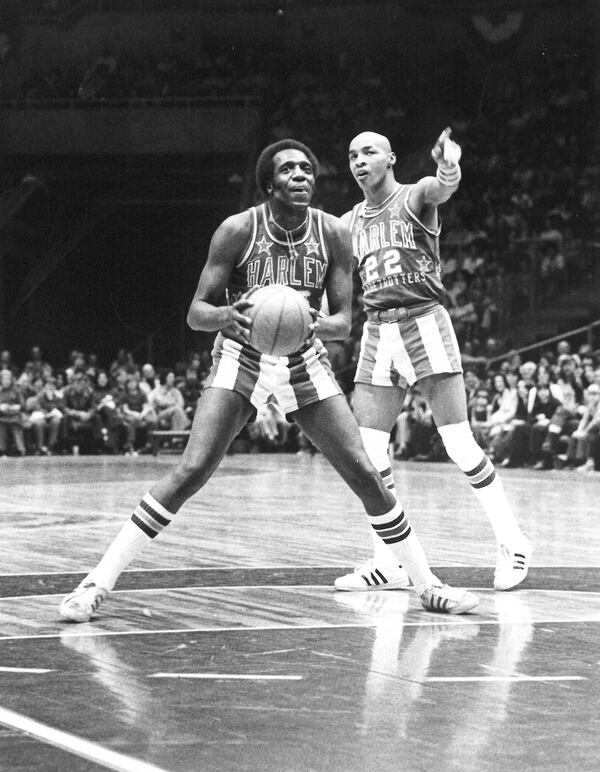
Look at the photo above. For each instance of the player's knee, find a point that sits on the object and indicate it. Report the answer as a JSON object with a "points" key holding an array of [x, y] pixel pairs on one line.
{"points": [[461, 445], [376, 444]]}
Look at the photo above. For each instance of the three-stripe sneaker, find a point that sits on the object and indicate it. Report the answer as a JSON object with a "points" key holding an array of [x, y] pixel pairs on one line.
{"points": [[448, 600], [80, 605], [369, 576], [512, 564]]}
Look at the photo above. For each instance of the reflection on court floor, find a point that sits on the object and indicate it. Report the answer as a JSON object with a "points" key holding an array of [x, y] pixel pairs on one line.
{"points": [[226, 648]]}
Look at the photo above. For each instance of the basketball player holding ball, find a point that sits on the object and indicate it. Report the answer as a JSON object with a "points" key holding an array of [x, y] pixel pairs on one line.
{"points": [[282, 241]]}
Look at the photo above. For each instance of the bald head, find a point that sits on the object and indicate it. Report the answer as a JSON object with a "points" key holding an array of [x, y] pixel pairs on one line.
{"points": [[371, 139]]}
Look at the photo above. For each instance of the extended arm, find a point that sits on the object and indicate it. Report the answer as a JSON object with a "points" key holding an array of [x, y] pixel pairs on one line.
{"points": [[429, 192]]}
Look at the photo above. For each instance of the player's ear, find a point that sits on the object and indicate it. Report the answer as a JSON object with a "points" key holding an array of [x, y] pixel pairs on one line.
{"points": [[392, 160], [269, 188]]}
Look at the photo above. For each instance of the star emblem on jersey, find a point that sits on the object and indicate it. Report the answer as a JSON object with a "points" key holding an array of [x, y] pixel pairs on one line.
{"points": [[395, 209], [264, 246], [312, 247], [425, 263]]}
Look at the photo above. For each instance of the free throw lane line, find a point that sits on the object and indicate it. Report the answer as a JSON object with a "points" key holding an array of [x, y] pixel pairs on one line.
{"points": [[229, 676], [73, 744], [512, 679]]}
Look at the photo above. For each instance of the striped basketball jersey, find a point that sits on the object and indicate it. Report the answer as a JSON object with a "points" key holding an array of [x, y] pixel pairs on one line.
{"points": [[398, 257], [299, 262]]}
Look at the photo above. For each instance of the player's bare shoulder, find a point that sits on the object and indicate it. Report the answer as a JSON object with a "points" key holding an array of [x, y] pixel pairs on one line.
{"points": [[233, 234], [336, 231]]}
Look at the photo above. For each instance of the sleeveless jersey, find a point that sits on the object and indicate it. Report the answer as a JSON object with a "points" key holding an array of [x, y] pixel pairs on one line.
{"points": [[398, 257], [301, 264]]}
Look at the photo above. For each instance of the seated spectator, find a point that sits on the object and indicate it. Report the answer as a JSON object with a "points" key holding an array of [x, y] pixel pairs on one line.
{"points": [[11, 414], [542, 380], [510, 447], [81, 424], [191, 389], [167, 402], [123, 361], [421, 443], [45, 419], [539, 417], [108, 415], [269, 432], [36, 366], [148, 378], [6, 362], [480, 418], [582, 451], [503, 406], [138, 417], [570, 374], [562, 425]]}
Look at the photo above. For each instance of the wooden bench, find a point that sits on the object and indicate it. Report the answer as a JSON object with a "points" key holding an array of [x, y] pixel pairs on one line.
{"points": [[158, 436]]}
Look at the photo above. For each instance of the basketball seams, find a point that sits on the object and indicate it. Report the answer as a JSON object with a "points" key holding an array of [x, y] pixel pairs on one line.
{"points": [[281, 320]]}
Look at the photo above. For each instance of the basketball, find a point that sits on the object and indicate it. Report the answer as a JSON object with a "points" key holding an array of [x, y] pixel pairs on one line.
{"points": [[280, 320]]}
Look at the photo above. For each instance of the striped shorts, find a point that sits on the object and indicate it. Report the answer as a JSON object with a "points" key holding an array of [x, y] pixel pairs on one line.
{"points": [[295, 381], [401, 353]]}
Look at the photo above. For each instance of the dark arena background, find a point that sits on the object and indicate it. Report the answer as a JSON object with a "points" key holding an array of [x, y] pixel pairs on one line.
{"points": [[129, 129]]}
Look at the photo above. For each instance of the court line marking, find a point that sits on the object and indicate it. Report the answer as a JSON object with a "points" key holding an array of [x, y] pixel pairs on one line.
{"points": [[210, 587], [512, 679], [323, 626], [283, 568], [229, 676], [77, 746], [133, 571], [25, 670]]}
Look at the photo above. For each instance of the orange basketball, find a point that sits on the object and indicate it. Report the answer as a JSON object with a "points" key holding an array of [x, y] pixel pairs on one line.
{"points": [[280, 320]]}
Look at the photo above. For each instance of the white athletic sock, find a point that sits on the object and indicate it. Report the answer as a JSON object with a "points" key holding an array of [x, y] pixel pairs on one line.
{"points": [[394, 529], [486, 485], [376, 444], [146, 522]]}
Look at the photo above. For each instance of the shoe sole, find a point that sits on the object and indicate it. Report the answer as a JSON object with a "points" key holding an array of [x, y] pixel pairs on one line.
{"points": [[463, 608], [400, 585]]}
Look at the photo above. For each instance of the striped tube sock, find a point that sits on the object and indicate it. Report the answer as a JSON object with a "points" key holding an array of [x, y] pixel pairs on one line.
{"points": [[395, 531], [146, 522], [376, 444], [479, 470], [488, 489]]}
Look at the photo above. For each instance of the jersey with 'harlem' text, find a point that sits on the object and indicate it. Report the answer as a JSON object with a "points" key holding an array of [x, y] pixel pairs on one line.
{"points": [[398, 257], [301, 264]]}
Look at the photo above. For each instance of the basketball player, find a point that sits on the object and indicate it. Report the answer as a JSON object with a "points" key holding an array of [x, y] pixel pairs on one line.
{"points": [[284, 240], [408, 339]]}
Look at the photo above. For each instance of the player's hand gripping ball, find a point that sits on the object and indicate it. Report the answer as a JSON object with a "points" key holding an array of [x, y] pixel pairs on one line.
{"points": [[281, 320]]}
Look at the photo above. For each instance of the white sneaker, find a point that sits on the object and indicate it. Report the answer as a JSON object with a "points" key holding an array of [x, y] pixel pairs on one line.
{"points": [[368, 576], [512, 564], [80, 605], [448, 600]]}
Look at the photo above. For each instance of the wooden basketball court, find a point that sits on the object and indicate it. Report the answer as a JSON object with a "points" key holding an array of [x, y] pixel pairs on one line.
{"points": [[225, 647]]}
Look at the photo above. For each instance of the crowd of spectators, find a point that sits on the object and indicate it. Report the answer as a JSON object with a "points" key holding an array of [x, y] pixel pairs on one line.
{"points": [[85, 408], [543, 415]]}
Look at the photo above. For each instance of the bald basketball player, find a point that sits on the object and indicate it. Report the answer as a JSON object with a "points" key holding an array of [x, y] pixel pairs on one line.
{"points": [[408, 339]]}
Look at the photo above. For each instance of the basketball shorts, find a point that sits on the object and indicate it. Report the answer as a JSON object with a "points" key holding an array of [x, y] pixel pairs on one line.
{"points": [[294, 381], [401, 353]]}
